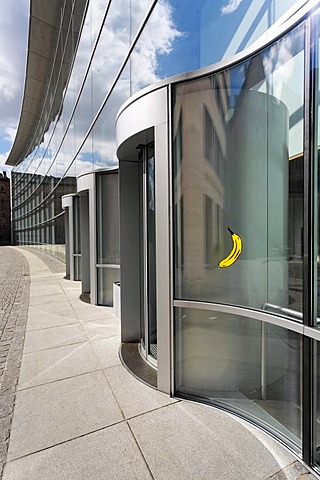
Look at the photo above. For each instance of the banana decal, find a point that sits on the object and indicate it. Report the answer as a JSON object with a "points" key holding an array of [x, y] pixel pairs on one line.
{"points": [[235, 252]]}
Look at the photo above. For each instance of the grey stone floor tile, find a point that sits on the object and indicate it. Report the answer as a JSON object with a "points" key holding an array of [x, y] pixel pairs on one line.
{"points": [[39, 321], [54, 298], [60, 411], [61, 308], [94, 313], [188, 441], [54, 337], [103, 328], [39, 290], [110, 454], [73, 293], [41, 280], [56, 363], [133, 396], [106, 351]]}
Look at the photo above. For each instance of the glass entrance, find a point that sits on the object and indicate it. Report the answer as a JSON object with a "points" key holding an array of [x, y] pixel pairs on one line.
{"points": [[148, 256]]}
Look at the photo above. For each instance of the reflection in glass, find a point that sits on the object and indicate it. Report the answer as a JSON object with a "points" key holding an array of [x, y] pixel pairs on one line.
{"points": [[316, 157], [76, 238], [242, 364], [240, 166], [151, 253], [108, 243], [108, 218]]}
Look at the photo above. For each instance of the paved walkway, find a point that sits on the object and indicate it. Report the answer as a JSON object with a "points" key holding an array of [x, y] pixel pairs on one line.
{"points": [[80, 415]]}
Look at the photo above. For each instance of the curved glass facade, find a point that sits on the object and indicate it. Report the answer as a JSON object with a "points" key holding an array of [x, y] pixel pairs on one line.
{"points": [[246, 255], [114, 49]]}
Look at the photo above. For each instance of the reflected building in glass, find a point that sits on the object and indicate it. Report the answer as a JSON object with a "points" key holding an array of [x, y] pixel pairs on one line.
{"points": [[173, 145]]}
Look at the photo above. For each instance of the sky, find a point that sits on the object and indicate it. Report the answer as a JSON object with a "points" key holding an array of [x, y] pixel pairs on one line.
{"points": [[14, 20]]}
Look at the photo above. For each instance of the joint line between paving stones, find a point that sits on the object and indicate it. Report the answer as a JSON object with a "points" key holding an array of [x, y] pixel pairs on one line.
{"points": [[141, 452], [76, 342], [59, 380], [63, 442]]}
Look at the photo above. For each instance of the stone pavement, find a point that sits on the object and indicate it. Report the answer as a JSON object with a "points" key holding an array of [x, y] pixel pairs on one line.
{"points": [[79, 414], [14, 298]]}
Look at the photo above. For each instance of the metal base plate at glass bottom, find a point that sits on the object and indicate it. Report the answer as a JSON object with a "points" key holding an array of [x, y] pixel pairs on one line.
{"points": [[132, 360]]}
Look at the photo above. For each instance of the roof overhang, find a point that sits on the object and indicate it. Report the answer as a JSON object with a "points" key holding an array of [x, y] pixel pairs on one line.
{"points": [[44, 24]]}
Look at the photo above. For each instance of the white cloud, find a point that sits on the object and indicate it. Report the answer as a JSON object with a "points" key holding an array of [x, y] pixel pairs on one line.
{"points": [[8, 133], [13, 46], [156, 40], [3, 167], [231, 6]]}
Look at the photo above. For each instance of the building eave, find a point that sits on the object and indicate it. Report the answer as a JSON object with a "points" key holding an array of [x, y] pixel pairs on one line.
{"points": [[43, 27]]}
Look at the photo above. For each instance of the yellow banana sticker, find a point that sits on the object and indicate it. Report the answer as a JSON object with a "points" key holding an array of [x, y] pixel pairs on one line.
{"points": [[235, 252]]}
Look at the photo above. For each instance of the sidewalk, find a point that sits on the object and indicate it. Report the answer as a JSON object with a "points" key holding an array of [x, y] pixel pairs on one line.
{"points": [[80, 415]]}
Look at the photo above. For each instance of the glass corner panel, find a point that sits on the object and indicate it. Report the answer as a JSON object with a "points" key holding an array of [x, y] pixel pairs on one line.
{"points": [[243, 365], [238, 182]]}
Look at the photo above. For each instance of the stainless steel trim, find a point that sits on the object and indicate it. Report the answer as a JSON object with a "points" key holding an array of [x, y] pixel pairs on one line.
{"points": [[107, 265], [284, 311], [312, 332], [243, 312], [171, 242], [264, 361]]}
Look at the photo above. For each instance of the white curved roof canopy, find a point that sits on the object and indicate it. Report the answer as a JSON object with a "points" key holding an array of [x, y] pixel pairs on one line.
{"points": [[44, 25]]}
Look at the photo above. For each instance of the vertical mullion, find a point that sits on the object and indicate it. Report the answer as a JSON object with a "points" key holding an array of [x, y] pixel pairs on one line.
{"points": [[308, 370]]}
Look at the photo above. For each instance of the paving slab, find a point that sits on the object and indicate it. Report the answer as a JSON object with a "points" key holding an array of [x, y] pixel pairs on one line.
{"points": [[40, 321], [36, 340], [39, 290], [106, 351], [186, 441], [64, 309], [92, 314], [110, 454], [55, 298], [60, 411], [56, 363], [102, 328], [133, 396]]}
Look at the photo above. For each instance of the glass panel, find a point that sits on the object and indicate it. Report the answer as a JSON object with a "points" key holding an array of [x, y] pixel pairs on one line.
{"points": [[316, 30], [106, 278], [108, 242], [76, 225], [241, 364], [238, 182], [108, 219], [151, 253]]}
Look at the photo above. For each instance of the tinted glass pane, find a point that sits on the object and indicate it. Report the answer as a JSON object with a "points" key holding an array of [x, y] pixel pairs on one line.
{"points": [[242, 364], [238, 182]]}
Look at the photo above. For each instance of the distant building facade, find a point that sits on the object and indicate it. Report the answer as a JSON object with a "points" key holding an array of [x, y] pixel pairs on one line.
{"points": [[5, 210]]}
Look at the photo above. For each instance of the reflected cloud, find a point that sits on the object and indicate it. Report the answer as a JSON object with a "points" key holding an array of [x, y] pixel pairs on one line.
{"points": [[231, 7], [277, 62], [156, 40]]}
